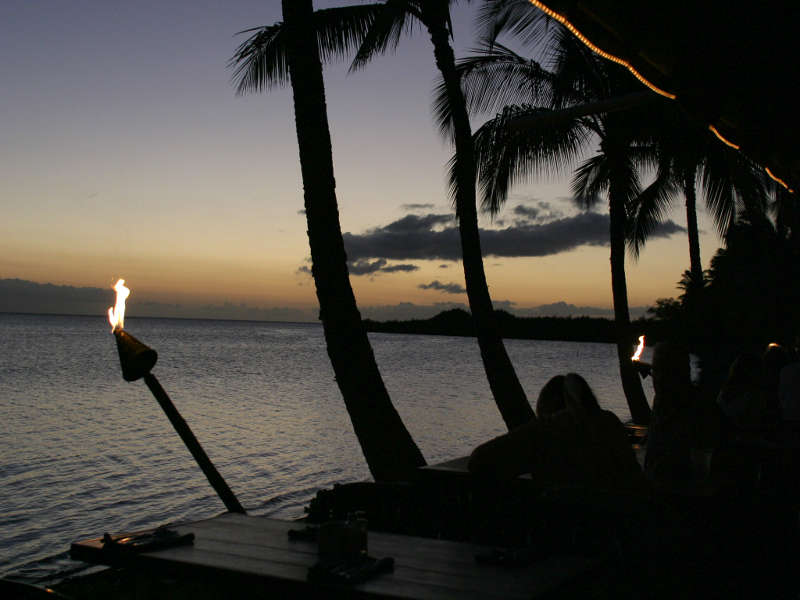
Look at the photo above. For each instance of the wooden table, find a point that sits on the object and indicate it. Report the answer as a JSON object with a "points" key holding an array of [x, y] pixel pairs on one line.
{"points": [[256, 555]]}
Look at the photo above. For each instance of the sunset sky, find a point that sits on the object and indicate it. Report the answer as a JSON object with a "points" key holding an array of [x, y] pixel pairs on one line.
{"points": [[126, 153]]}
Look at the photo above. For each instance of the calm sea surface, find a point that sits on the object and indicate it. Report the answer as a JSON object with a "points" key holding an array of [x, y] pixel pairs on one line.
{"points": [[83, 452]]}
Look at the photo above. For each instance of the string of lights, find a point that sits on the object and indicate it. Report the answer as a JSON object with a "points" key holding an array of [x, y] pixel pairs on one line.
{"points": [[620, 61]]}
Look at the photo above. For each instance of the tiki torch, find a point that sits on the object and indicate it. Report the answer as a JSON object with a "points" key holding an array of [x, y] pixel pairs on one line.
{"points": [[137, 359], [643, 368]]}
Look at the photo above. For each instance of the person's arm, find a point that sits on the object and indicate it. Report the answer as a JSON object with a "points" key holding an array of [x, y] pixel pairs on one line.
{"points": [[507, 456]]}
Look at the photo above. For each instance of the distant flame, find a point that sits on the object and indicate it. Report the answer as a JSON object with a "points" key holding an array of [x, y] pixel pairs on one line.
{"points": [[116, 313], [639, 349]]}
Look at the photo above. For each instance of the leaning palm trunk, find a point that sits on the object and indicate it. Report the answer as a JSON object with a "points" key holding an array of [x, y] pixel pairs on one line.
{"points": [[506, 388], [695, 264], [631, 385], [390, 452]]}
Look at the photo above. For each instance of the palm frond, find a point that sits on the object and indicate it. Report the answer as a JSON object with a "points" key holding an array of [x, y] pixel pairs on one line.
{"points": [[504, 157], [731, 183], [341, 30], [651, 208], [394, 18], [519, 18], [580, 75], [260, 62], [590, 181], [495, 78]]}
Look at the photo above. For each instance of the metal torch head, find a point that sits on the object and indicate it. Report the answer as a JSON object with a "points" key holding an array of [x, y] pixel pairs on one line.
{"points": [[135, 358], [644, 369]]}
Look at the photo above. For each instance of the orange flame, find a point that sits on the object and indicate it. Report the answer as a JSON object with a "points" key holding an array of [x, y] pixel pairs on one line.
{"points": [[116, 313], [639, 349]]}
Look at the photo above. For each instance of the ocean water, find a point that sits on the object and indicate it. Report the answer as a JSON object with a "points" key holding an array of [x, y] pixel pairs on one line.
{"points": [[83, 452]]}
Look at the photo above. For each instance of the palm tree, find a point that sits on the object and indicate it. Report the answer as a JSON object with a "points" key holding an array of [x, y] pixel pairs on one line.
{"points": [[689, 155], [290, 50], [555, 137], [377, 27], [434, 15]]}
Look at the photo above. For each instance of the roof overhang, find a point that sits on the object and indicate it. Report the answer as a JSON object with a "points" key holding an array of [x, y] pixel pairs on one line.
{"points": [[733, 66]]}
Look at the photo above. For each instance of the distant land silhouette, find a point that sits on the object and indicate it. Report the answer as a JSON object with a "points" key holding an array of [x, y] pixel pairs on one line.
{"points": [[459, 323], [23, 296]]}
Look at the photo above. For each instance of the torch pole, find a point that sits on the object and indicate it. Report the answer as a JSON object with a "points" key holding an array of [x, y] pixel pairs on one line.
{"points": [[214, 478]]}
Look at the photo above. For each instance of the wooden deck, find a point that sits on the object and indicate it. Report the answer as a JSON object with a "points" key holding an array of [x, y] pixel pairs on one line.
{"points": [[255, 554]]}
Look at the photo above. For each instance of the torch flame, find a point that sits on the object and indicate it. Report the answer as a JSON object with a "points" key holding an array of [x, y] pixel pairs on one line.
{"points": [[116, 313], [639, 349]]}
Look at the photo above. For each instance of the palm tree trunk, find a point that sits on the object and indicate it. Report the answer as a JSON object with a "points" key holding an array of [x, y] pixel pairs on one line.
{"points": [[695, 264], [390, 451], [631, 384], [503, 381]]}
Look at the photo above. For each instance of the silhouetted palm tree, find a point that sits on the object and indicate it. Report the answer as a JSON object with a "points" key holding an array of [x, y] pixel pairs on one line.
{"points": [[290, 51], [434, 15], [377, 27], [554, 137], [689, 155]]}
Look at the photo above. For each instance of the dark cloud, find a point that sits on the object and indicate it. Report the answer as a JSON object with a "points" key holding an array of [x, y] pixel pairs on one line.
{"points": [[416, 206], [403, 267], [507, 305], [365, 267], [411, 223], [414, 238], [541, 212], [449, 288], [529, 212], [19, 295]]}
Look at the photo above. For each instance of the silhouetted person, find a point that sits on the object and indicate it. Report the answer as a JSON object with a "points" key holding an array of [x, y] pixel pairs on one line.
{"points": [[551, 397], [684, 428], [573, 443], [775, 359], [789, 392], [742, 397]]}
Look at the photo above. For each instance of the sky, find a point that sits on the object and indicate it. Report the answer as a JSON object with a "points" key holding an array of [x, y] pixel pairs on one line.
{"points": [[126, 153]]}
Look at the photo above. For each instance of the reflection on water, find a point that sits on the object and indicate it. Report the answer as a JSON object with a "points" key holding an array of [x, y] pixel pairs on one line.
{"points": [[84, 452]]}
